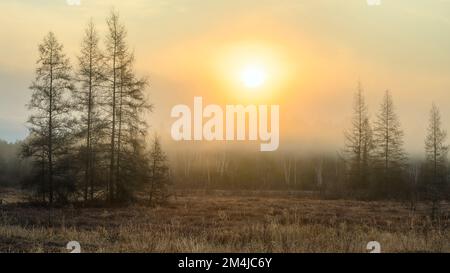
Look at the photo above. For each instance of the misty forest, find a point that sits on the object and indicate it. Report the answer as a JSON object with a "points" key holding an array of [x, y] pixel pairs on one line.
{"points": [[90, 148]]}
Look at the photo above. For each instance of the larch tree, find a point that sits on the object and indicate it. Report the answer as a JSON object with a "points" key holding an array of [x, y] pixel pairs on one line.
{"points": [[88, 101], [158, 174], [436, 151], [132, 127], [359, 142], [50, 124], [115, 50], [390, 157], [128, 106]]}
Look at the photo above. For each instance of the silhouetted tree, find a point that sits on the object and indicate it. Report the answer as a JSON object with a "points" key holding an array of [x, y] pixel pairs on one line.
{"points": [[115, 49], [389, 154], [436, 151], [359, 142], [158, 174], [51, 121], [132, 126], [127, 105], [87, 100]]}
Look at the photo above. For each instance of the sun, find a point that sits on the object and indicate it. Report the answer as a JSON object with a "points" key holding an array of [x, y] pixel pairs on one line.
{"points": [[251, 70], [253, 76]]}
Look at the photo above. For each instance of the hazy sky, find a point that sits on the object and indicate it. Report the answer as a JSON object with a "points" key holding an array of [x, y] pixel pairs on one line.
{"points": [[314, 52]]}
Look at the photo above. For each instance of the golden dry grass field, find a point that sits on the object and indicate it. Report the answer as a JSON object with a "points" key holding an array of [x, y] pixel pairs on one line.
{"points": [[225, 222]]}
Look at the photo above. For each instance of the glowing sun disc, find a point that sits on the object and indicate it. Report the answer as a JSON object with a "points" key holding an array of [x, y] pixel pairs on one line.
{"points": [[253, 76]]}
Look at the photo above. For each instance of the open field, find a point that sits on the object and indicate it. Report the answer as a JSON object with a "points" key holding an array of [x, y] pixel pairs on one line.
{"points": [[225, 222]]}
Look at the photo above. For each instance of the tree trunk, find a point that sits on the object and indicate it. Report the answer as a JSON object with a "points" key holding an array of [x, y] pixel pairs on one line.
{"points": [[119, 133], [50, 133], [112, 163], [88, 139]]}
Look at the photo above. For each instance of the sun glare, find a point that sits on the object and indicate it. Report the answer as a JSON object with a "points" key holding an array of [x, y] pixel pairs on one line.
{"points": [[252, 71], [253, 76]]}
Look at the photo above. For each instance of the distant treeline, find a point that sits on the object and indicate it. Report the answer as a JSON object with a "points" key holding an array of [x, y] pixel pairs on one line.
{"points": [[328, 174], [376, 162], [13, 168], [371, 165]]}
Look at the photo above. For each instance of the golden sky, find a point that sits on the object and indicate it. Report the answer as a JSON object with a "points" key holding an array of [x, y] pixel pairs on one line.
{"points": [[312, 52]]}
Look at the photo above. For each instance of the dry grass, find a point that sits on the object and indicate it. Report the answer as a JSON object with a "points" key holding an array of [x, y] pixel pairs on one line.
{"points": [[231, 223]]}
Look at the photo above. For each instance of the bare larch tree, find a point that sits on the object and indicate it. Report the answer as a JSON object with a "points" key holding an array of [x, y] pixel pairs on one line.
{"points": [[128, 106], [51, 123], [436, 151], [158, 173], [359, 142], [115, 49], [389, 154], [88, 101]]}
